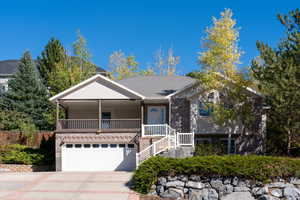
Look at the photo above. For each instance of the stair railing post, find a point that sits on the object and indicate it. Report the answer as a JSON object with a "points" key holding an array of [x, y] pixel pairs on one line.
{"points": [[154, 148], [136, 160]]}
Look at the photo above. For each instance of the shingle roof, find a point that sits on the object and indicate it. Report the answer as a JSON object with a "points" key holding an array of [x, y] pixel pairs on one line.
{"points": [[157, 86], [8, 67]]}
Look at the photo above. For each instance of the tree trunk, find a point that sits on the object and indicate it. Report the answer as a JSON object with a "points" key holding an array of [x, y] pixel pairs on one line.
{"points": [[289, 141]]}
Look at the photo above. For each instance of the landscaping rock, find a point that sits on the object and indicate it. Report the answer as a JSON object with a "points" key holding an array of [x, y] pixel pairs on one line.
{"points": [[172, 193], [162, 181], [257, 191], [235, 181], [196, 185], [227, 181], [238, 196], [295, 181], [160, 189], [195, 178], [172, 178], [175, 184], [204, 194], [277, 185], [216, 183], [241, 189], [291, 193], [183, 178], [276, 193], [267, 197]]}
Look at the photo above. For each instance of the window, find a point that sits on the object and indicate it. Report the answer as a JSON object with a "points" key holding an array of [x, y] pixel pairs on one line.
{"points": [[130, 146], [69, 145], [224, 141], [78, 145], [113, 145], [121, 145], [205, 108], [96, 145], [87, 145], [104, 145]]}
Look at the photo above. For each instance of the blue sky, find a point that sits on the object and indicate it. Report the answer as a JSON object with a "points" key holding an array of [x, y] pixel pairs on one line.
{"points": [[136, 27]]}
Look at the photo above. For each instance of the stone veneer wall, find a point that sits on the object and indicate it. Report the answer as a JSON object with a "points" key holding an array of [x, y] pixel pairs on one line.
{"points": [[24, 168], [180, 114], [225, 188]]}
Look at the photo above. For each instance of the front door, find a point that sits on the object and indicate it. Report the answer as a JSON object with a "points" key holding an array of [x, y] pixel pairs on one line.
{"points": [[156, 115]]}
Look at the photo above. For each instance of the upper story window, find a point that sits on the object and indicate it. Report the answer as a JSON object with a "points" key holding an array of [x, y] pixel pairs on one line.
{"points": [[205, 109], [206, 106]]}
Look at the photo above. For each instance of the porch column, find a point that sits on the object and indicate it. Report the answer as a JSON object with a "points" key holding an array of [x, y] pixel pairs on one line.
{"points": [[99, 114], [57, 115], [142, 118]]}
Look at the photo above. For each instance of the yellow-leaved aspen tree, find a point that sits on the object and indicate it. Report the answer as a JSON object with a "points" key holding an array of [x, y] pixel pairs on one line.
{"points": [[219, 60]]}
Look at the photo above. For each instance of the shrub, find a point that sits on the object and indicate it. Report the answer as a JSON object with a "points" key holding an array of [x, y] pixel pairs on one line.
{"points": [[261, 168], [20, 154]]}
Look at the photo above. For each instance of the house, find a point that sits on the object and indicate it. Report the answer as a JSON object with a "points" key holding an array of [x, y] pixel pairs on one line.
{"points": [[9, 67], [7, 70], [116, 125]]}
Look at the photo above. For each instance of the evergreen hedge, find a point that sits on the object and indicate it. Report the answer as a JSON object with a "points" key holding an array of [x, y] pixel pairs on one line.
{"points": [[261, 168]]}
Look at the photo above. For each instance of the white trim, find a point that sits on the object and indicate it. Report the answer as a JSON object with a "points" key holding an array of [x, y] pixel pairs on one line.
{"points": [[90, 80]]}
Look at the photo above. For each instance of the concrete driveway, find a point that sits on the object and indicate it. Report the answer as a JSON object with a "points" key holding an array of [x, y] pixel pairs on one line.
{"points": [[66, 185]]}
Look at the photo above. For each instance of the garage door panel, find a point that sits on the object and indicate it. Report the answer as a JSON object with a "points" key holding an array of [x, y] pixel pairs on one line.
{"points": [[110, 158]]}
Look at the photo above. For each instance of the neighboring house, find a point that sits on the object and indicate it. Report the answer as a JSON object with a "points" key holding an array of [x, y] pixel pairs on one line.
{"points": [[7, 70], [9, 67], [115, 125]]}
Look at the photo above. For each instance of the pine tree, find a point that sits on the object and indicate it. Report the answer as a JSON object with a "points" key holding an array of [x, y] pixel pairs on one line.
{"points": [[278, 73], [53, 54], [27, 94]]}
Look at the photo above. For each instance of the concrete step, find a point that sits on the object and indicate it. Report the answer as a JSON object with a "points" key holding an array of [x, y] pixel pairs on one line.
{"points": [[179, 152]]}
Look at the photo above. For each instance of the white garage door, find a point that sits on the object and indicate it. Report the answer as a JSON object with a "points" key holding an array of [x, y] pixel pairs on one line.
{"points": [[98, 157]]}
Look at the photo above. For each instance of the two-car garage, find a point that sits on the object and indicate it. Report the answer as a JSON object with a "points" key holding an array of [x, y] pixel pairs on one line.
{"points": [[98, 157]]}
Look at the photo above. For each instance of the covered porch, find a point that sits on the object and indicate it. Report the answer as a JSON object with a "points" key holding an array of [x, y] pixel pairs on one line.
{"points": [[99, 115]]}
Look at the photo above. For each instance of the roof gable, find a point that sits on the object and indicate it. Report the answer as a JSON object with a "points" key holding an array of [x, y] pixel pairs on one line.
{"points": [[97, 87]]}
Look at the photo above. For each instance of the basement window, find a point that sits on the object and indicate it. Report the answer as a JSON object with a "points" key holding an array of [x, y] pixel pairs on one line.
{"points": [[78, 145], [104, 145], [96, 145], [121, 145], [130, 146], [113, 145], [87, 145], [69, 145]]}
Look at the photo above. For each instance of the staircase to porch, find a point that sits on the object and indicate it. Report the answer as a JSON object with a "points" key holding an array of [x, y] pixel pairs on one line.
{"points": [[169, 140]]}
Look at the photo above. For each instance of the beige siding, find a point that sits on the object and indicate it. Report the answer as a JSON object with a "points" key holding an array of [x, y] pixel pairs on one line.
{"points": [[100, 89], [85, 111]]}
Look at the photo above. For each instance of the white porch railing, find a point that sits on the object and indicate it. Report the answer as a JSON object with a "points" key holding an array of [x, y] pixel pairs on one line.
{"points": [[94, 124], [78, 124], [154, 149], [185, 139], [154, 130], [120, 123]]}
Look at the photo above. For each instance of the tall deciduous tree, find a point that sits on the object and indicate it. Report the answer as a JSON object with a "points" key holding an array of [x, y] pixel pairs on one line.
{"points": [[219, 61], [27, 94], [221, 48], [278, 73], [165, 65], [122, 66]]}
